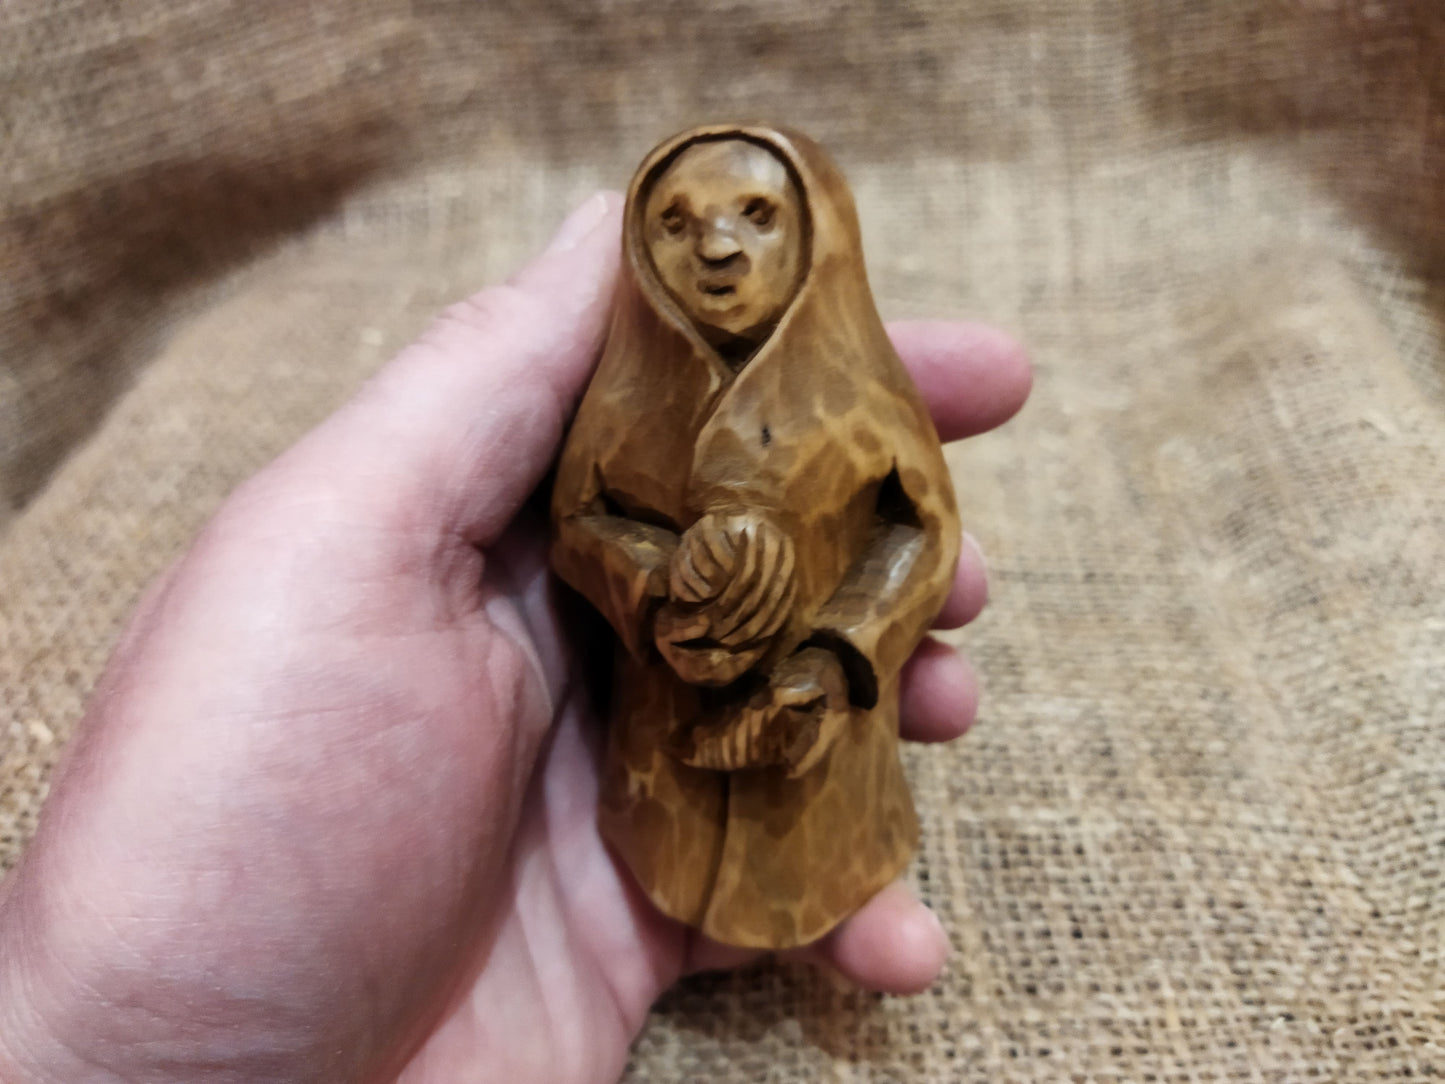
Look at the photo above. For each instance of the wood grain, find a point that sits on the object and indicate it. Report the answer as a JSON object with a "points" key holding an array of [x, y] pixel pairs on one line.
{"points": [[754, 497]]}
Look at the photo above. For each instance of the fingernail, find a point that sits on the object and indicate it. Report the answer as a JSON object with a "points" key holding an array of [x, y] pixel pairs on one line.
{"points": [[972, 543], [980, 562], [937, 924], [579, 224]]}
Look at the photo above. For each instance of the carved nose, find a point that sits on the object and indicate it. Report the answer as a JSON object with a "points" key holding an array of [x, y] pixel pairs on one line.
{"points": [[718, 248]]}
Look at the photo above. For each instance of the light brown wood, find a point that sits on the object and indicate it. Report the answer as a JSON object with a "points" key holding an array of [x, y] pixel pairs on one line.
{"points": [[754, 497]]}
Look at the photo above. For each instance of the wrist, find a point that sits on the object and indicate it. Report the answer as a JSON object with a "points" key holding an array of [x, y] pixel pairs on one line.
{"points": [[857, 668]]}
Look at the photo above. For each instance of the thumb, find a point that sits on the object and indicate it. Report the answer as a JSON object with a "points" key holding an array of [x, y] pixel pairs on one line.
{"points": [[456, 431]]}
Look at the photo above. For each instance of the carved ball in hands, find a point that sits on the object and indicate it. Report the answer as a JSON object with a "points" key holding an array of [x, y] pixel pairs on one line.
{"points": [[732, 587]]}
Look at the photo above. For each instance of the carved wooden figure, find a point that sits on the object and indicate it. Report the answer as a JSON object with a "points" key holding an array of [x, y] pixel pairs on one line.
{"points": [[753, 495]]}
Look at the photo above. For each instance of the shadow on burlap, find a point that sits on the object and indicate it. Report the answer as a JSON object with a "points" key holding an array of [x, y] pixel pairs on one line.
{"points": [[1198, 832]]}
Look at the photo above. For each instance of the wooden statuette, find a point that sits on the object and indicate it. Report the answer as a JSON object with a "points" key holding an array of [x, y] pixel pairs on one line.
{"points": [[754, 497]]}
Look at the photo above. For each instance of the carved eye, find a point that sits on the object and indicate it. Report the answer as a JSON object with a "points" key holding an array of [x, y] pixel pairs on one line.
{"points": [[672, 220], [759, 211]]}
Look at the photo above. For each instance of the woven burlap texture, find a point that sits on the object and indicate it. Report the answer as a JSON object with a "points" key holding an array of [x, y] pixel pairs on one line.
{"points": [[1199, 831]]}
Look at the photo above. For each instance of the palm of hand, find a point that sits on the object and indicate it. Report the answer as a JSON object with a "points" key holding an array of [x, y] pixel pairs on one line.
{"points": [[570, 940], [371, 864]]}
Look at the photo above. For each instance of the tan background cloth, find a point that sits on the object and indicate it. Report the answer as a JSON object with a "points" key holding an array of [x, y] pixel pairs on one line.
{"points": [[1199, 831]]}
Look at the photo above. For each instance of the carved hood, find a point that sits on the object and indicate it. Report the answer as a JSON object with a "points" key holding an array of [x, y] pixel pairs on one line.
{"points": [[822, 429]]}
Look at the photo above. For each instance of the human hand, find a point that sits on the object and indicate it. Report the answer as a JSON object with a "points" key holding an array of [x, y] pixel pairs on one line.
{"points": [[331, 812], [731, 587]]}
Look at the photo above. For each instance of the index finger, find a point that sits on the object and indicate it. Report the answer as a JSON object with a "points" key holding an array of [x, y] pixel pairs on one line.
{"points": [[972, 376]]}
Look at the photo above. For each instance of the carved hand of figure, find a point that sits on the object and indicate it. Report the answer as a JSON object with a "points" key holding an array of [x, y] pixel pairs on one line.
{"points": [[731, 589], [791, 723]]}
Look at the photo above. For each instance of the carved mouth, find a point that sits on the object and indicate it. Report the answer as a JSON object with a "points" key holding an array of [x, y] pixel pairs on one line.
{"points": [[717, 290]]}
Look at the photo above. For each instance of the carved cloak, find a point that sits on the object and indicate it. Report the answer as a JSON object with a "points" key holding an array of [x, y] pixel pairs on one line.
{"points": [[823, 430]]}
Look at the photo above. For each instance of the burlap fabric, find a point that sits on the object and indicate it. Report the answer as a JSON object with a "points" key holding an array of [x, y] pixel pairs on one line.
{"points": [[1199, 831]]}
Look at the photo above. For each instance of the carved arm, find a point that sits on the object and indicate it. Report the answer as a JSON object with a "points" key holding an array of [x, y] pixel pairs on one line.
{"points": [[892, 593], [620, 565]]}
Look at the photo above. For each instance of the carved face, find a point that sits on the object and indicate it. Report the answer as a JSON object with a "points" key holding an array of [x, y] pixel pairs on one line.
{"points": [[724, 228]]}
